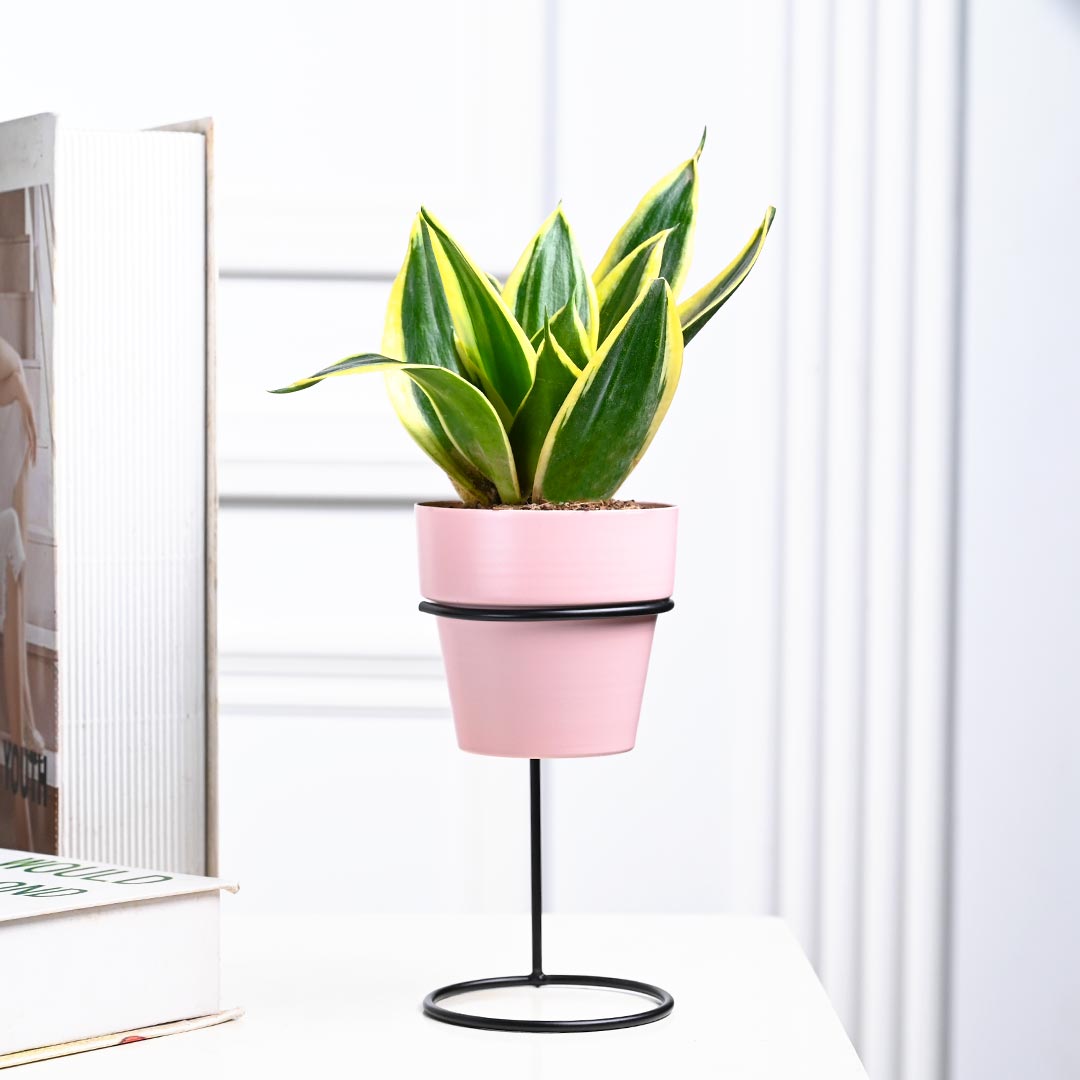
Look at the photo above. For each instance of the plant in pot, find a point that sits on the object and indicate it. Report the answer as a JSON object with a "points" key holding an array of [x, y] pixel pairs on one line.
{"points": [[537, 397]]}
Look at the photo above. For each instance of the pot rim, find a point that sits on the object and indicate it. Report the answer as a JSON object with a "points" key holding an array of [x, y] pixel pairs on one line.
{"points": [[545, 557]]}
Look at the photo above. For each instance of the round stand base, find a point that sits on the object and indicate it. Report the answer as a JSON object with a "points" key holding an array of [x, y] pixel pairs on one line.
{"points": [[664, 1003]]}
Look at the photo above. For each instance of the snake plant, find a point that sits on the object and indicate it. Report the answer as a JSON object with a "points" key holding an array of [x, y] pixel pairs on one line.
{"points": [[550, 387]]}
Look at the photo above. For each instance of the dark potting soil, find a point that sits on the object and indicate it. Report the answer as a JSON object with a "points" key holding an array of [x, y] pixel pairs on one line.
{"points": [[607, 504]]}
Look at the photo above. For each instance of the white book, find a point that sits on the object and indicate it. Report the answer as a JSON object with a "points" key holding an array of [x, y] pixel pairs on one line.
{"points": [[106, 493], [103, 954]]}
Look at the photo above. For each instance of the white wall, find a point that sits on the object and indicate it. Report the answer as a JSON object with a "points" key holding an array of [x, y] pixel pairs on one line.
{"points": [[1016, 946]]}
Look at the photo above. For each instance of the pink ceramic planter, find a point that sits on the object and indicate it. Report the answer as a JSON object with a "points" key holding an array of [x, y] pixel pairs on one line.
{"points": [[546, 689]]}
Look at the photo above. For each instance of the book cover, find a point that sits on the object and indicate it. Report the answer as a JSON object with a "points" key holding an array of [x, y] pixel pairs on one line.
{"points": [[28, 656], [33, 884]]}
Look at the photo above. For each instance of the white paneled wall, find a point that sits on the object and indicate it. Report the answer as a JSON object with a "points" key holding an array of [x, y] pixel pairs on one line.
{"points": [[345, 443], [866, 529], [794, 747], [333, 122]]}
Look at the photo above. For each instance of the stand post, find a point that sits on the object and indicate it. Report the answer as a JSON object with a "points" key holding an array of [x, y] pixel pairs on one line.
{"points": [[537, 979], [536, 857]]}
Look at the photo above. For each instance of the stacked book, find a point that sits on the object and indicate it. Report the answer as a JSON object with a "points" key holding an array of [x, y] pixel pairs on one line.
{"points": [[104, 954]]}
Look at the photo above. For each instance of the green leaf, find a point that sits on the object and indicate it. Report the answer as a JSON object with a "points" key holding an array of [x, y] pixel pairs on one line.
{"points": [[351, 365], [695, 312], [567, 330], [419, 330], [615, 407], [548, 276], [496, 350], [628, 279], [671, 203], [466, 415], [555, 377], [418, 326]]}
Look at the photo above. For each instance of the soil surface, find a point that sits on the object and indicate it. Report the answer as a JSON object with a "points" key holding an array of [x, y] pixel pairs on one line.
{"points": [[607, 504]]}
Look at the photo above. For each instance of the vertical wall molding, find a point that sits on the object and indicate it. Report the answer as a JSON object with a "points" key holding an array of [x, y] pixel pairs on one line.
{"points": [[888, 449], [805, 234], [933, 446], [843, 584]]}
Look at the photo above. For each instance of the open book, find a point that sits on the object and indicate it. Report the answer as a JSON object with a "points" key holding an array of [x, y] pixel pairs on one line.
{"points": [[106, 493]]}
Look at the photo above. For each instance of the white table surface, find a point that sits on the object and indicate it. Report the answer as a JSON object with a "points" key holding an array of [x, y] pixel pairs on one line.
{"points": [[336, 996]]}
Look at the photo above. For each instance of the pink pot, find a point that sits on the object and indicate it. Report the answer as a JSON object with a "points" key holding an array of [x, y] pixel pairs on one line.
{"points": [[546, 689]]}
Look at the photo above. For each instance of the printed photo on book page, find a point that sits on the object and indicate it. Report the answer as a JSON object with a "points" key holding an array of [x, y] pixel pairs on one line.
{"points": [[28, 660]]}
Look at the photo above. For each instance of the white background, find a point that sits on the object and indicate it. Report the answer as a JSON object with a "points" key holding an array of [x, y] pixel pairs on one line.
{"points": [[862, 713]]}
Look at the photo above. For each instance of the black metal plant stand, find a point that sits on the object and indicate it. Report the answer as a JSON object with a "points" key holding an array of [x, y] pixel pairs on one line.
{"points": [[538, 978]]}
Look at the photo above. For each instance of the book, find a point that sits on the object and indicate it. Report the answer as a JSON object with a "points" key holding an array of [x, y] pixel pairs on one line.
{"points": [[107, 500], [104, 954]]}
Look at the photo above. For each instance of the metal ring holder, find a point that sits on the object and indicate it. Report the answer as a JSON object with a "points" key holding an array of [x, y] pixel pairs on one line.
{"points": [[537, 978]]}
